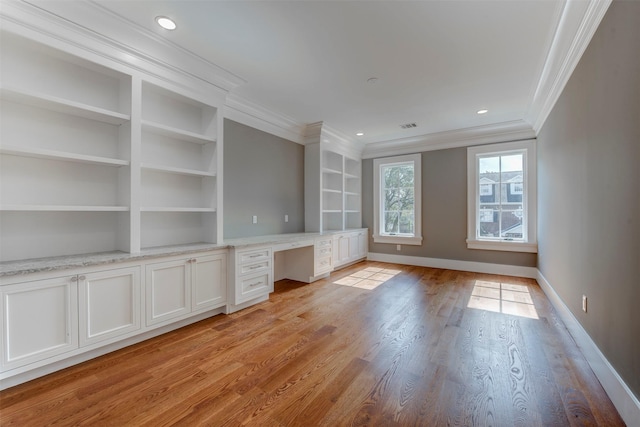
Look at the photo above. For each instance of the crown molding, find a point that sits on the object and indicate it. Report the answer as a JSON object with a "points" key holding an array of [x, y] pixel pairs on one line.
{"points": [[241, 110], [500, 132], [332, 139], [578, 23], [106, 35]]}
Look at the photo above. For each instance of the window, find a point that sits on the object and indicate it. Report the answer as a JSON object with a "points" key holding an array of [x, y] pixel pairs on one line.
{"points": [[504, 218], [397, 200]]}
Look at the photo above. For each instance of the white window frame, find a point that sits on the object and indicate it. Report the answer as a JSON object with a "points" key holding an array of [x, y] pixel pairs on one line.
{"points": [[529, 180], [378, 237]]}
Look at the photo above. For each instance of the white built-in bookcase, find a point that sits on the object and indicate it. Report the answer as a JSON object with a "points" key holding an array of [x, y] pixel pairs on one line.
{"points": [[333, 187], [93, 159]]}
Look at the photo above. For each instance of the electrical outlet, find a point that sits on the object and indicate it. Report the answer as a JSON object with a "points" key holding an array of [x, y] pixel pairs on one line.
{"points": [[286, 218], [255, 219], [584, 303], [398, 247]]}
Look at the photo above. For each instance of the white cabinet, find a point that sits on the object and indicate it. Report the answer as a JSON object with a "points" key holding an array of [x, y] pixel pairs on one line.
{"points": [[176, 288], [349, 246], [333, 187], [323, 259], [39, 320], [209, 281], [109, 304], [253, 274]]}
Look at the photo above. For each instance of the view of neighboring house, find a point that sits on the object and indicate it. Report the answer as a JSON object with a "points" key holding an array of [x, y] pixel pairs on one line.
{"points": [[501, 204]]}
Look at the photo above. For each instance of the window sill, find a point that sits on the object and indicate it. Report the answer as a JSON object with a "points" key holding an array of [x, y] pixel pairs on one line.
{"points": [[502, 246], [399, 240]]}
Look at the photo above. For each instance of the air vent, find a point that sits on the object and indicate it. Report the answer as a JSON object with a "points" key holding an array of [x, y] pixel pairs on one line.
{"points": [[408, 125]]}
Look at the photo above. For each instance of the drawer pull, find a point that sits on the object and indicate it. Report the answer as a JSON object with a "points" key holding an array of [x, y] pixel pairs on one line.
{"points": [[255, 284], [254, 267], [255, 256]]}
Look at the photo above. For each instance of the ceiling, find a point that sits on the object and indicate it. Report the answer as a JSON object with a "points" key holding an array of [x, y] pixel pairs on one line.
{"points": [[436, 62]]}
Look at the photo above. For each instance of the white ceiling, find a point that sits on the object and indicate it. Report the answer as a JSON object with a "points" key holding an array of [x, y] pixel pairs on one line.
{"points": [[437, 62]]}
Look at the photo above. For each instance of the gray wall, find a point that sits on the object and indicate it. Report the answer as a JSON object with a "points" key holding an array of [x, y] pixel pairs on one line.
{"points": [[444, 213], [588, 191], [263, 176]]}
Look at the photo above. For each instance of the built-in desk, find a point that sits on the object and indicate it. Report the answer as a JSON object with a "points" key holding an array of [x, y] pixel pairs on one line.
{"points": [[256, 262]]}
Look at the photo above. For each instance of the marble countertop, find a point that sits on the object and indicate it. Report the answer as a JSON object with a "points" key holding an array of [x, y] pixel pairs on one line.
{"points": [[38, 265]]}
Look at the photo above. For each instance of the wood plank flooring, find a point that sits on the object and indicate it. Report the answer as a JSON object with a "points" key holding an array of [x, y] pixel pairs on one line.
{"points": [[375, 344]]}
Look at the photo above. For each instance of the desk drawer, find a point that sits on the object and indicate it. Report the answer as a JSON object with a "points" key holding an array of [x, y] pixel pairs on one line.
{"points": [[256, 267], [292, 245], [254, 256], [254, 286], [322, 252], [322, 265]]}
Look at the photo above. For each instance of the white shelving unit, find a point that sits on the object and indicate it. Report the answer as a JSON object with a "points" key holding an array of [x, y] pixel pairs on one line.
{"points": [[332, 185], [179, 169], [95, 159]]}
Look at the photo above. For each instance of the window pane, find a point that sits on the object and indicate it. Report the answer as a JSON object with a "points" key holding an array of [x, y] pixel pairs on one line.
{"points": [[511, 224], [490, 221], [391, 220], [398, 199]]}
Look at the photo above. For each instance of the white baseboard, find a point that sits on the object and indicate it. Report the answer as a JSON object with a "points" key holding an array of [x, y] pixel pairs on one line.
{"points": [[620, 394], [450, 264]]}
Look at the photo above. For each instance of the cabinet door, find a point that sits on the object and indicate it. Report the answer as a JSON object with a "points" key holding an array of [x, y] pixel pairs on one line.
{"points": [[354, 248], [109, 304], [209, 278], [39, 320], [343, 249], [168, 290], [363, 244]]}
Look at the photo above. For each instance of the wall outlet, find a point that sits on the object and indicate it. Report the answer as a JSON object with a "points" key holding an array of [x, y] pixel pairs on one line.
{"points": [[584, 303], [398, 247], [254, 219], [286, 218]]}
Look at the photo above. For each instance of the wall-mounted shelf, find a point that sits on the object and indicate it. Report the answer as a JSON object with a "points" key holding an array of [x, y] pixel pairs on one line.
{"points": [[39, 153], [62, 208]]}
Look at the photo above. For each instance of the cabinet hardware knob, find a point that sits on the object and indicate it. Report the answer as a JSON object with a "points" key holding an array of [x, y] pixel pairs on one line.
{"points": [[82, 278], [74, 279]]}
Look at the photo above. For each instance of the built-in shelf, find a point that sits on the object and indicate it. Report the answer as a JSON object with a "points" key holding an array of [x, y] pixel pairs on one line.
{"points": [[40, 153], [178, 171], [176, 209], [62, 208], [332, 211], [61, 105], [173, 132], [328, 170], [330, 190]]}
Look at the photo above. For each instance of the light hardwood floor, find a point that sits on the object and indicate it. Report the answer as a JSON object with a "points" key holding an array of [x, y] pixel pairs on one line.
{"points": [[375, 344]]}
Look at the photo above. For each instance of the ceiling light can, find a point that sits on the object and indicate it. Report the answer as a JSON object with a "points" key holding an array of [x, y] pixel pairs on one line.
{"points": [[166, 23]]}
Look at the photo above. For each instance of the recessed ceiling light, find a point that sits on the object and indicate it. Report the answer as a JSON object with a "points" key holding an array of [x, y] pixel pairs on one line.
{"points": [[483, 111], [166, 23], [360, 134]]}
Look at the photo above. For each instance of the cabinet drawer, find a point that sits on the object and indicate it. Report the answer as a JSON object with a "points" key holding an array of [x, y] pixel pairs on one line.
{"points": [[254, 286], [323, 265], [254, 256], [322, 252], [292, 245], [324, 243], [256, 267]]}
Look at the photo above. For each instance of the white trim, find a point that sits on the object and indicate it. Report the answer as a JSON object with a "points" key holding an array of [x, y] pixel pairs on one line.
{"points": [[501, 245], [451, 264], [416, 238], [488, 134], [620, 394], [248, 113], [578, 24]]}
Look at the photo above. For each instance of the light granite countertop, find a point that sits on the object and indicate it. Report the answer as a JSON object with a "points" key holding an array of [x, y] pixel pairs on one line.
{"points": [[38, 265]]}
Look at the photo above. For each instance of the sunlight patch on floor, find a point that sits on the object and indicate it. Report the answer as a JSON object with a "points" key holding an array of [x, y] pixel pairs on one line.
{"points": [[503, 298], [367, 278]]}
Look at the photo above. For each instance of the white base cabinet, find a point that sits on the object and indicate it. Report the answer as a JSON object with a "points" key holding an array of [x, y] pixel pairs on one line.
{"points": [[39, 320], [51, 320], [180, 287], [109, 304], [349, 247]]}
